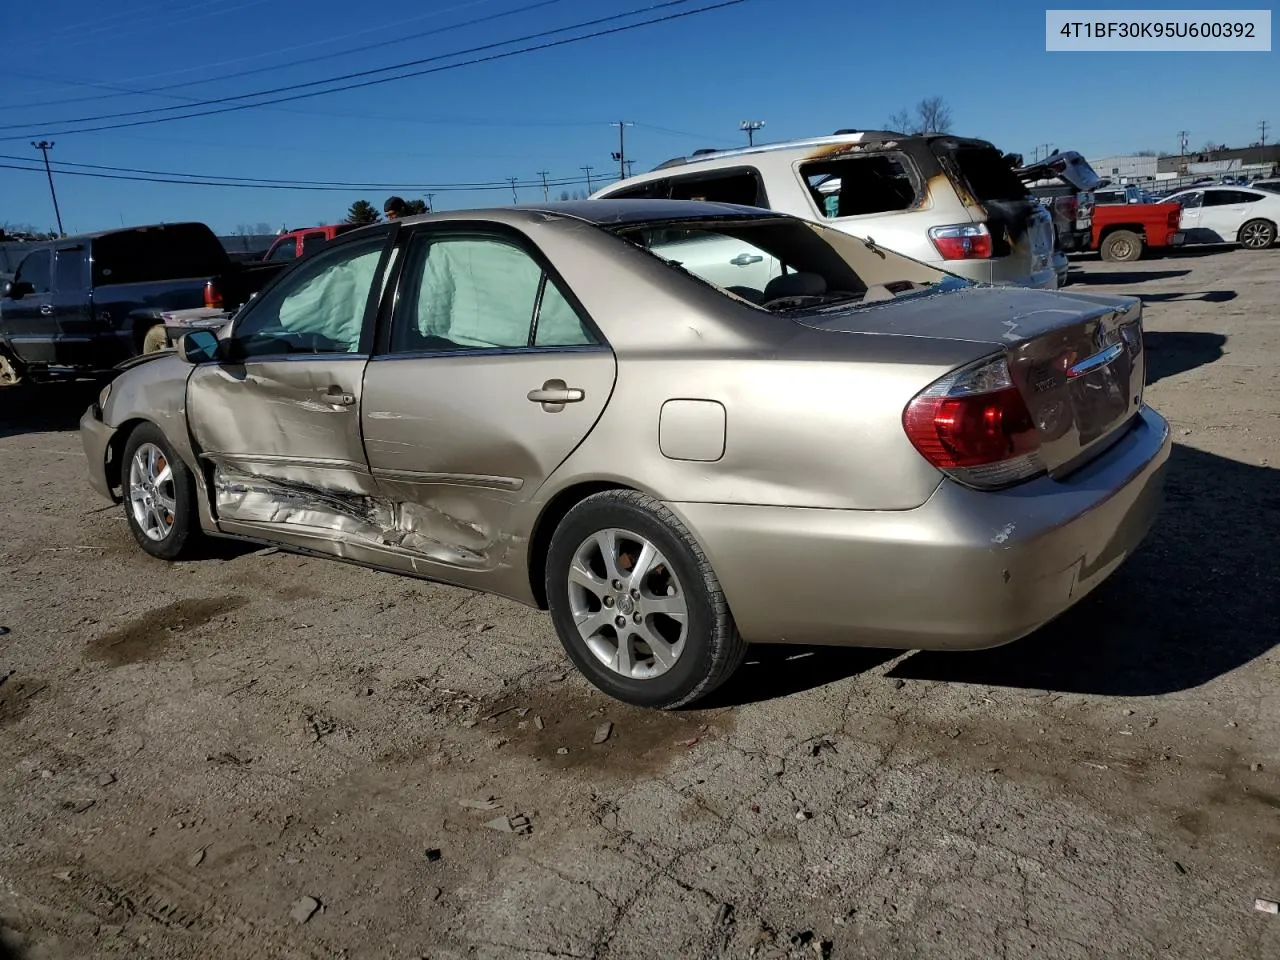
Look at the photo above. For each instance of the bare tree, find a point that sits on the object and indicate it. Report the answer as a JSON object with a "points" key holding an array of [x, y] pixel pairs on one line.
{"points": [[931, 115]]}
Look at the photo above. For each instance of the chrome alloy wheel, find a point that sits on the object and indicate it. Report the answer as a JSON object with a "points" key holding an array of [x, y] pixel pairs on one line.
{"points": [[152, 496], [1256, 235], [627, 603]]}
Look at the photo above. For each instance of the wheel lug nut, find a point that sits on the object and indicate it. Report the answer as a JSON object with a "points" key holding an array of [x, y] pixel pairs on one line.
{"points": [[617, 584], [635, 594], [621, 621], [636, 617], [608, 601]]}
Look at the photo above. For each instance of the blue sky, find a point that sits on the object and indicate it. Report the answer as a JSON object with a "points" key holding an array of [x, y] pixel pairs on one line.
{"points": [[805, 67]]}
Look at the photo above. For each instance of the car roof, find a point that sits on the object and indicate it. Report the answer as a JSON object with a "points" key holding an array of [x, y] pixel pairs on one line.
{"points": [[601, 213]]}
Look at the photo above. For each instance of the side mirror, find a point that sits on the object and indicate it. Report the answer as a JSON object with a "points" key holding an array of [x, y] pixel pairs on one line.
{"points": [[198, 346], [18, 289]]}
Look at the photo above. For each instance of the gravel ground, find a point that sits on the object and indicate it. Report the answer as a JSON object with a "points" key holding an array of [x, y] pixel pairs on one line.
{"points": [[190, 752]]}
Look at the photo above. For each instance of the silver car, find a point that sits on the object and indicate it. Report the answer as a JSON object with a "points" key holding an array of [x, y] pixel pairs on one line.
{"points": [[549, 404]]}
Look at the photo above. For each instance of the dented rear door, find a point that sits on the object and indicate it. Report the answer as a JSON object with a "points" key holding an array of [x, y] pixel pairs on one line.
{"points": [[278, 427], [492, 375]]}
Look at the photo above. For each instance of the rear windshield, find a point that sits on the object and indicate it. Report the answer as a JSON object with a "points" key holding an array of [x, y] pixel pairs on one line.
{"points": [[158, 253], [988, 174], [785, 265]]}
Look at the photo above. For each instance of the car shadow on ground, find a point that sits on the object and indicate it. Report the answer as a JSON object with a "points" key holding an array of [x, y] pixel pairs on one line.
{"points": [[1198, 600], [1208, 296], [1169, 354], [1121, 277], [27, 409]]}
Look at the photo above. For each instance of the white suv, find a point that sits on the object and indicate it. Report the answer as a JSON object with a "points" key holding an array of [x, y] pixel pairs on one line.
{"points": [[951, 202]]}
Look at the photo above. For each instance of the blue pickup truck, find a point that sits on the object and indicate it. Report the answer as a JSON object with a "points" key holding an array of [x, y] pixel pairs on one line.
{"points": [[78, 306]]}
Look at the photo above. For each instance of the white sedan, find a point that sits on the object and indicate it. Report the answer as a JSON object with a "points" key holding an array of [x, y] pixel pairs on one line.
{"points": [[1240, 215]]}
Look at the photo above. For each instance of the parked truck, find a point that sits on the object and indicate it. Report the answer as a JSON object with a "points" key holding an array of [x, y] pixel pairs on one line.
{"points": [[1124, 232], [298, 243], [1064, 182], [78, 306]]}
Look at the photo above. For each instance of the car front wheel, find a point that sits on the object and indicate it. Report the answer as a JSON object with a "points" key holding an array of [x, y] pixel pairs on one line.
{"points": [[159, 495], [636, 603]]}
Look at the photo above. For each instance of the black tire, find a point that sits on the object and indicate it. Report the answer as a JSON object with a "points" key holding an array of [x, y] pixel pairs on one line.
{"points": [[1122, 246], [184, 534], [713, 648], [1257, 235]]}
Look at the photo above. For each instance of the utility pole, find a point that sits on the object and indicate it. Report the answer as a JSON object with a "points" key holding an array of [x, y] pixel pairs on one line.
{"points": [[750, 127], [44, 146], [621, 154], [1262, 141], [431, 207], [546, 196], [588, 168], [514, 196], [630, 164]]}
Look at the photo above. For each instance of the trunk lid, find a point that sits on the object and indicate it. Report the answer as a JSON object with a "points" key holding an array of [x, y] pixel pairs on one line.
{"points": [[1077, 359]]}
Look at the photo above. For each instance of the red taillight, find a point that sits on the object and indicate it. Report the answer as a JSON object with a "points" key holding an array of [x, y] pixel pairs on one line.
{"points": [[1070, 206], [974, 425], [968, 241], [1175, 217], [212, 295]]}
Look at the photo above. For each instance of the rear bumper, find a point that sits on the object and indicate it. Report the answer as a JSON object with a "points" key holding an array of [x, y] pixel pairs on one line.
{"points": [[965, 570], [1177, 239], [95, 437]]}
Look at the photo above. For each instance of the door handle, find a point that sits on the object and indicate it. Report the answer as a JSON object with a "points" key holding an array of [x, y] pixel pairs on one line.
{"points": [[554, 394], [742, 259], [46, 309], [336, 395]]}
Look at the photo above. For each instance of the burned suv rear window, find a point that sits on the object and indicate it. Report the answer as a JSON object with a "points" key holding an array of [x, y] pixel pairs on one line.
{"points": [[988, 174], [860, 185]]}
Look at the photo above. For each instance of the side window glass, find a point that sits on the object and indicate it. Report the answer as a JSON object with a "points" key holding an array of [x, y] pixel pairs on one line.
{"points": [[652, 190], [69, 270], [558, 323], [35, 271], [859, 186], [737, 186], [1217, 198], [465, 293], [1192, 200], [319, 308], [311, 242], [286, 251]]}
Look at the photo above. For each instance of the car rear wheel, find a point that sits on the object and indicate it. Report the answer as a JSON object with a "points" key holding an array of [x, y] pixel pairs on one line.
{"points": [[636, 603], [159, 495], [1122, 246], [1257, 234], [155, 339]]}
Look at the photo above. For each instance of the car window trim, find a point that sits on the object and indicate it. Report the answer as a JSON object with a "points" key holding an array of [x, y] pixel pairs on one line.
{"points": [[719, 173], [377, 292], [483, 230]]}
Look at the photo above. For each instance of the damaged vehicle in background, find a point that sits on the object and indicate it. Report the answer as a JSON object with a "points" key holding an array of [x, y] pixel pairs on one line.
{"points": [[543, 403], [947, 201], [1064, 182]]}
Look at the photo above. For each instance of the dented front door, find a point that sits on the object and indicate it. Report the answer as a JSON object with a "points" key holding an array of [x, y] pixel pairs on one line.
{"points": [[491, 377], [279, 425]]}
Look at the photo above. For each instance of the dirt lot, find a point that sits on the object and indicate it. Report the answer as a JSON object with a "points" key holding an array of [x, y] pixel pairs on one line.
{"points": [[188, 751]]}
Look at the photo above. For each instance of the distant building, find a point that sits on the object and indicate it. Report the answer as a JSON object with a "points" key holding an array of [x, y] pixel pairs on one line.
{"points": [[1247, 157], [1126, 169]]}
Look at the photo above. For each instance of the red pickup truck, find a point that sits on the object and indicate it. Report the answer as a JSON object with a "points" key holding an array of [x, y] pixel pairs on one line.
{"points": [[298, 243], [1123, 232]]}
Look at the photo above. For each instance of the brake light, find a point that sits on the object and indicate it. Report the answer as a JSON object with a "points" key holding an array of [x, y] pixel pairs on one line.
{"points": [[1175, 217], [968, 241], [212, 295], [974, 426]]}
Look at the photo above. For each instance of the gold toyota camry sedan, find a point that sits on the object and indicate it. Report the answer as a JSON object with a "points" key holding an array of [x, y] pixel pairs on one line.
{"points": [[680, 427]]}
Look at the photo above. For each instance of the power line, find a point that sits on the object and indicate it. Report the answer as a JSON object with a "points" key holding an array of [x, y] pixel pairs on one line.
{"points": [[268, 181], [239, 184], [160, 91], [235, 98]]}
